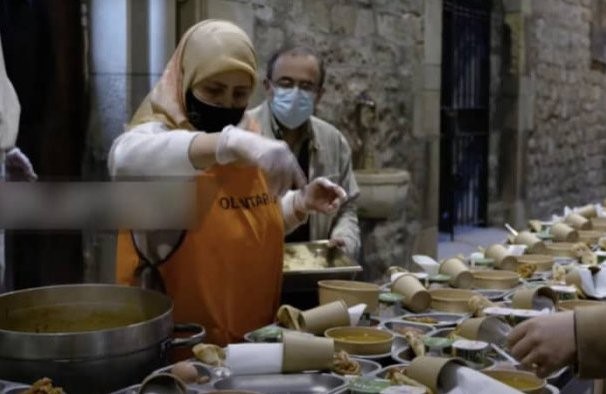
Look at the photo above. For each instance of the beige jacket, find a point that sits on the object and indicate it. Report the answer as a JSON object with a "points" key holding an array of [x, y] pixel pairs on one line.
{"points": [[330, 157], [591, 341]]}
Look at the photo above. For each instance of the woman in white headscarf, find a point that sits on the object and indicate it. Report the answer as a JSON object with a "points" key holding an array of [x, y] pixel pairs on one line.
{"points": [[225, 273]]}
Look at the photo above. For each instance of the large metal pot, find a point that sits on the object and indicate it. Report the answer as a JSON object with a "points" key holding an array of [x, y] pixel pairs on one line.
{"points": [[90, 338]]}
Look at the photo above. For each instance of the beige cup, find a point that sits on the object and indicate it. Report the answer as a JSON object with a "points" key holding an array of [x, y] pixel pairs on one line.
{"points": [[588, 211], [577, 221], [534, 243], [501, 256], [562, 232], [320, 318], [488, 329], [162, 383], [525, 298], [460, 275], [304, 352], [288, 316], [426, 370], [416, 297]]}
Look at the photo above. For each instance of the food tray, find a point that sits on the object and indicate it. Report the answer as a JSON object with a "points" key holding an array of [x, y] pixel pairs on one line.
{"points": [[287, 383], [338, 266], [395, 325], [7, 387], [367, 367], [443, 319]]}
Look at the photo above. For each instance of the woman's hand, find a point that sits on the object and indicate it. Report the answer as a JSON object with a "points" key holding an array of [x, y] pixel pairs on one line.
{"points": [[18, 167], [272, 156], [545, 343], [320, 195]]}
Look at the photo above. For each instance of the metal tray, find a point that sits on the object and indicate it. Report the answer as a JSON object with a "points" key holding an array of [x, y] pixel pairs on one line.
{"points": [[367, 368], [7, 387], [392, 325], [338, 266], [284, 384], [444, 319], [203, 370]]}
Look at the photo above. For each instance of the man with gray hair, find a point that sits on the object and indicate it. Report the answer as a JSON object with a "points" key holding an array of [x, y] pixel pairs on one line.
{"points": [[294, 85]]}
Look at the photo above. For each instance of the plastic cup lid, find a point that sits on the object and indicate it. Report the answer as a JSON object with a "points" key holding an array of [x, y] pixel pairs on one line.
{"points": [[390, 298]]}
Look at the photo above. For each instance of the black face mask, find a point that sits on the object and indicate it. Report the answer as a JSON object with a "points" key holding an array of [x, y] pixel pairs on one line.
{"points": [[209, 118]]}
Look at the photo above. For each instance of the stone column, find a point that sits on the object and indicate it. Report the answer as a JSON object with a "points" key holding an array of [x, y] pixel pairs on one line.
{"points": [[519, 104], [131, 42], [426, 125]]}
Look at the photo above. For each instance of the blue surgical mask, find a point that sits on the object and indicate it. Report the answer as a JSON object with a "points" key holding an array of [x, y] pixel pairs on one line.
{"points": [[292, 106]]}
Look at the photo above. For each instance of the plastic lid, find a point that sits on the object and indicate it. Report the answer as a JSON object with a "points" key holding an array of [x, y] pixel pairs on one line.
{"points": [[439, 278], [368, 386], [390, 298]]}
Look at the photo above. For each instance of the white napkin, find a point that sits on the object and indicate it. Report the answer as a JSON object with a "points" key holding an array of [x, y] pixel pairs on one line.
{"points": [[599, 209], [254, 358], [355, 313], [457, 379], [428, 264], [516, 249], [593, 285], [555, 218]]}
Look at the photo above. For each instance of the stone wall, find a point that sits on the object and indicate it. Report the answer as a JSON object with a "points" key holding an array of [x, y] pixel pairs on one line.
{"points": [[368, 45], [565, 148]]}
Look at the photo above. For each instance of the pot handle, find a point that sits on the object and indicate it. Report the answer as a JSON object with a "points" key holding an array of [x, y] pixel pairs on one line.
{"points": [[198, 335]]}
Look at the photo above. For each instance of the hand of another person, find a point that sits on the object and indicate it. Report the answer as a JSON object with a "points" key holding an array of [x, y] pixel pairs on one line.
{"points": [[320, 195], [337, 242], [271, 156], [18, 167], [546, 343]]}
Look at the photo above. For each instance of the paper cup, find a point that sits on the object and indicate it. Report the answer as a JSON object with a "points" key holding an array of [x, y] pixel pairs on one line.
{"points": [[489, 329], [588, 211], [459, 273], [288, 316], [304, 352], [534, 243], [426, 370], [416, 297], [350, 291], [320, 318], [502, 257], [577, 221], [162, 383], [562, 232], [598, 223], [525, 298]]}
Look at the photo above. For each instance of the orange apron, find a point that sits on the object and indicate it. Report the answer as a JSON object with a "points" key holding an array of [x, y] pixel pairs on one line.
{"points": [[226, 273]]}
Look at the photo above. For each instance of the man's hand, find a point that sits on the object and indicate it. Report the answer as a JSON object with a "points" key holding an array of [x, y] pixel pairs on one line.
{"points": [[545, 343], [273, 157]]}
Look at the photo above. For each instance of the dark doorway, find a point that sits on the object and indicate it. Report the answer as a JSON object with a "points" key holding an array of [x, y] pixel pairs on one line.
{"points": [[464, 113]]}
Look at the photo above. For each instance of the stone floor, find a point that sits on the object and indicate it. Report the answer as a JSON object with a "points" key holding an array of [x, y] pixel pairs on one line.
{"points": [[467, 240]]}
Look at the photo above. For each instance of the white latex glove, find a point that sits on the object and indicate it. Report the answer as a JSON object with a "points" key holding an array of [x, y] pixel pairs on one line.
{"points": [[272, 156], [18, 167], [546, 343], [320, 195]]}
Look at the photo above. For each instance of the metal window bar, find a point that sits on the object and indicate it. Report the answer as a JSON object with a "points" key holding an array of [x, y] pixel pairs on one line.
{"points": [[465, 113]]}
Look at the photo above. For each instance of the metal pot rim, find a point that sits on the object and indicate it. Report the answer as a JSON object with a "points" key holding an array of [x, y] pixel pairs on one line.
{"points": [[88, 344]]}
